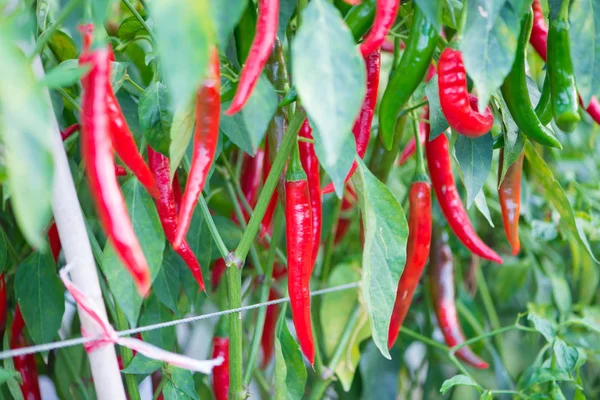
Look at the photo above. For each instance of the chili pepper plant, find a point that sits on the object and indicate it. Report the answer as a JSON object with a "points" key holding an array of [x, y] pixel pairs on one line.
{"points": [[367, 199]]}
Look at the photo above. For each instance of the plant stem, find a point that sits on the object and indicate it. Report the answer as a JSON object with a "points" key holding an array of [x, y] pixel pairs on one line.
{"points": [[328, 250], [212, 227], [488, 304], [45, 36], [137, 15], [424, 339], [159, 389], [68, 97], [234, 280], [132, 82], [126, 357]]}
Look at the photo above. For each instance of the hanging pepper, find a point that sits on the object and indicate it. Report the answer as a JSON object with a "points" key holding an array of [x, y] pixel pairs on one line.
{"points": [[165, 205], [266, 33], [206, 136], [417, 248], [299, 235], [543, 109], [25, 365], [509, 195], [310, 163], [460, 108], [360, 18], [382, 159], [266, 226], [176, 191], [267, 340], [385, 15], [69, 131], [220, 373], [252, 173], [54, 241], [441, 284], [3, 304], [516, 94], [440, 170], [409, 73], [362, 125], [560, 68], [100, 171], [348, 202]]}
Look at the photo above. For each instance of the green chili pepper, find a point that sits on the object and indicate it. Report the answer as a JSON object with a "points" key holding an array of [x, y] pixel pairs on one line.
{"points": [[565, 106], [543, 109], [408, 75], [360, 18], [382, 159], [516, 95]]}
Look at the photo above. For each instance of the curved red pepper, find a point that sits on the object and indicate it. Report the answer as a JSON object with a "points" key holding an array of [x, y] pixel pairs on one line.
{"points": [[165, 205], [441, 279], [539, 31], [509, 195], [385, 15], [460, 109], [100, 170], [362, 125], [310, 163], [252, 174], [206, 137], [220, 373], [440, 170], [266, 33], [176, 191], [267, 340], [417, 252], [69, 130], [25, 365], [266, 227]]}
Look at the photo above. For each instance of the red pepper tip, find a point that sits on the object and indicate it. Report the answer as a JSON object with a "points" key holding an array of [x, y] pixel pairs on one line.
{"points": [[234, 108], [327, 189]]}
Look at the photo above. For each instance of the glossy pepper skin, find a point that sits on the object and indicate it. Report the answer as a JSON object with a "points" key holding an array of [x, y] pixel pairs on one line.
{"points": [[100, 170], [458, 107], [165, 205], [252, 173], [266, 226], [348, 202], [267, 340], [220, 373], [360, 17], [440, 171], [539, 32], [206, 137], [441, 281], [362, 125], [565, 108], [385, 15], [516, 95], [310, 163], [413, 66], [509, 195], [25, 365], [266, 33], [417, 252], [543, 109]]}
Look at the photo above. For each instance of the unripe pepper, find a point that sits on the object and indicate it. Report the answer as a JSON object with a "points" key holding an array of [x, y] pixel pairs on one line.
{"points": [[459, 108], [509, 195]]}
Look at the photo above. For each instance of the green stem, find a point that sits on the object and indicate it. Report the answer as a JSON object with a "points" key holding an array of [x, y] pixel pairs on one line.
{"points": [[463, 20], [488, 304], [420, 172], [76, 377], [159, 389], [47, 34], [137, 15], [234, 288], [412, 108], [126, 356], [262, 382], [68, 97], [424, 339], [135, 85]]}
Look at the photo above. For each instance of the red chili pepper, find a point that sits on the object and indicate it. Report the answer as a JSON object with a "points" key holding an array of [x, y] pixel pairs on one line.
{"points": [[509, 195], [266, 33], [3, 304], [54, 241], [120, 171], [206, 136], [441, 279], [460, 109], [267, 340], [220, 373], [299, 236], [594, 109], [385, 15], [100, 170], [25, 364], [252, 173], [266, 227], [388, 46], [216, 272], [310, 163], [70, 130], [440, 170], [362, 125], [344, 221], [410, 148], [539, 32], [176, 191], [165, 205], [417, 252]]}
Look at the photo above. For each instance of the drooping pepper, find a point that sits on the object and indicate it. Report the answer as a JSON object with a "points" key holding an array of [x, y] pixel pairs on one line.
{"points": [[509, 195], [413, 66], [206, 136], [266, 33], [360, 17], [251, 178], [440, 171], [165, 205], [220, 373], [348, 202], [441, 284], [565, 107], [385, 15], [362, 125], [459, 108], [266, 226], [299, 236], [543, 108], [267, 340], [25, 364], [3, 304], [100, 170], [516, 95]]}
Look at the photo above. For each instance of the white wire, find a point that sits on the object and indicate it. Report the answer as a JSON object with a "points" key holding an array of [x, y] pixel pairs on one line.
{"points": [[82, 340]]}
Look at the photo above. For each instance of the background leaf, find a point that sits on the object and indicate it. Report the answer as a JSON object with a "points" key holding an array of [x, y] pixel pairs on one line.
{"points": [[155, 116], [226, 14], [290, 373], [437, 120], [339, 170], [474, 156], [584, 45], [181, 133]]}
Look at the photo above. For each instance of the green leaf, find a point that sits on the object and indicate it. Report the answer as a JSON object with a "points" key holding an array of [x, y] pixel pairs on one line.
{"points": [[329, 75], [65, 74], [339, 170], [542, 322], [3, 252], [184, 35], [247, 128], [561, 294], [584, 43], [40, 294], [542, 375], [230, 233], [489, 44], [433, 11], [142, 365], [154, 313], [180, 385], [380, 375], [474, 156], [566, 356], [152, 239], [166, 284], [384, 254], [286, 10], [117, 75], [556, 195], [482, 206], [181, 132], [202, 244], [514, 139], [462, 380], [100, 10], [437, 119], [5, 375], [25, 128], [290, 373], [130, 28], [63, 46], [226, 14], [155, 117]]}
